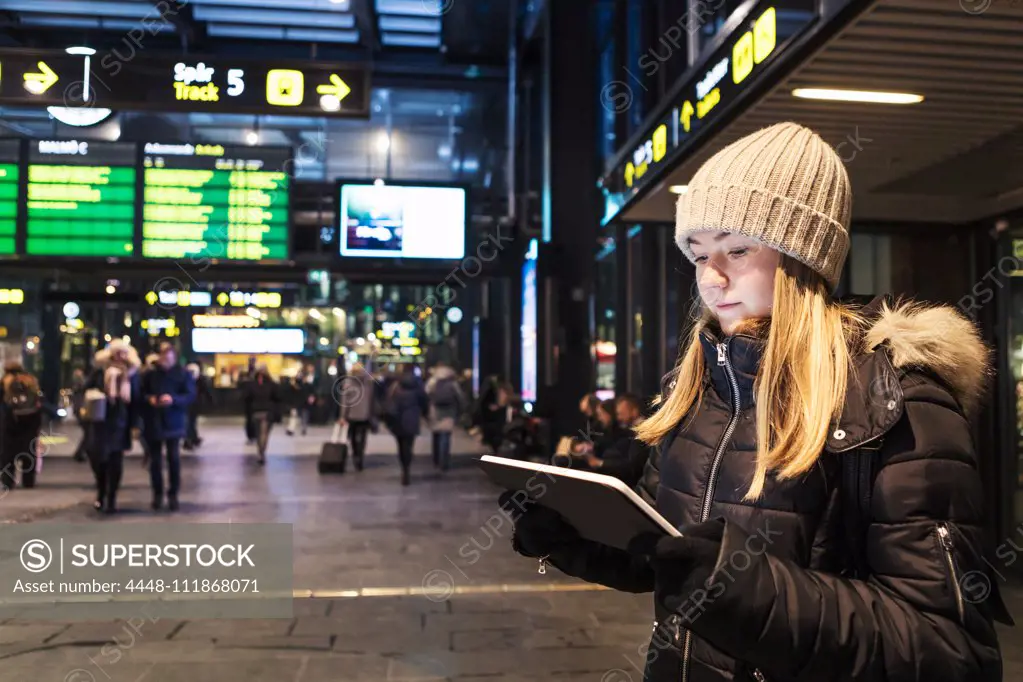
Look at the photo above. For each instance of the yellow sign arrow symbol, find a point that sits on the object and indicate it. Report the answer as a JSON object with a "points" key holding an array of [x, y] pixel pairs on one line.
{"points": [[686, 117], [38, 83], [337, 87]]}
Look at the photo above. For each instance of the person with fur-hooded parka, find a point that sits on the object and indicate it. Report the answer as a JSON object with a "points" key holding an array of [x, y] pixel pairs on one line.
{"points": [[815, 456], [116, 375]]}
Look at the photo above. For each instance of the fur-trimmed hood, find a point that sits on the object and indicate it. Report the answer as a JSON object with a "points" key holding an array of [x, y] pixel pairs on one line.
{"points": [[936, 339], [102, 357]]}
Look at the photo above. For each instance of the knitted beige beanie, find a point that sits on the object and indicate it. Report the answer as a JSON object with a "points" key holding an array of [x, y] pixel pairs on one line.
{"points": [[782, 185]]}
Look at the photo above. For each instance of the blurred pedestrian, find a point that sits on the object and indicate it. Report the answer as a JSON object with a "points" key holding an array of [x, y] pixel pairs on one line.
{"points": [[168, 391], [20, 422], [115, 379], [203, 397], [407, 404], [358, 402], [498, 415], [263, 402], [446, 404], [303, 397], [244, 379]]}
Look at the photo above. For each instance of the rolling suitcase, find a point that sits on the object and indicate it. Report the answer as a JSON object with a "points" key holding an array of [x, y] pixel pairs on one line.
{"points": [[334, 454]]}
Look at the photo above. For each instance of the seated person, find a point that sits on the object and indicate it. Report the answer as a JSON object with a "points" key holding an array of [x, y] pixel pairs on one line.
{"points": [[626, 457]]}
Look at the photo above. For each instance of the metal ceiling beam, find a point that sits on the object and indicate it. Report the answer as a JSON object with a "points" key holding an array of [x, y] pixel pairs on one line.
{"points": [[10, 31], [180, 15], [366, 20]]}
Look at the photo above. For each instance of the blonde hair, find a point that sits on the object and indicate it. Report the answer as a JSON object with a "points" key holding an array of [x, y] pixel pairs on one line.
{"points": [[801, 382]]}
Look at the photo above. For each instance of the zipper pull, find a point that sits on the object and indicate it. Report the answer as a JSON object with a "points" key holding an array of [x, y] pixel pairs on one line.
{"points": [[543, 565], [722, 355], [759, 676], [945, 536]]}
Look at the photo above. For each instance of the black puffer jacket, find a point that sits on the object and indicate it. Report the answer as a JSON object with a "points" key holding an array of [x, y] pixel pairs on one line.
{"points": [[782, 604]]}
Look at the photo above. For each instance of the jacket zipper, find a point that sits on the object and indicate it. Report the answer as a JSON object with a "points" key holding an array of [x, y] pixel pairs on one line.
{"points": [[708, 495], [945, 536]]}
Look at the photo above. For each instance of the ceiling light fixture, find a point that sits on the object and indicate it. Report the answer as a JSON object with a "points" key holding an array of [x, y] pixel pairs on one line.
{"points": [[869, 96], [79, 117]]}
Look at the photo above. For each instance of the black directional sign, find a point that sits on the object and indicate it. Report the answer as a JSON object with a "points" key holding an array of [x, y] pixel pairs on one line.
{"points": [[81, 77]]}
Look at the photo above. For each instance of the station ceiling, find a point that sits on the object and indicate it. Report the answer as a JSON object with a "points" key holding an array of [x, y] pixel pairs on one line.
{"points": [[473, 31], [955, 157], [438, 70]]}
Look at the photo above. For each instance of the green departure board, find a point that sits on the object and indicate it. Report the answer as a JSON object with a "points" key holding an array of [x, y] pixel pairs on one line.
{"points": [[81, 198], [215, 202], [8, 195]]}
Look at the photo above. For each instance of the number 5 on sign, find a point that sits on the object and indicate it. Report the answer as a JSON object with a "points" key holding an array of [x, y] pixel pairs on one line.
{"points": [[235, 82]]}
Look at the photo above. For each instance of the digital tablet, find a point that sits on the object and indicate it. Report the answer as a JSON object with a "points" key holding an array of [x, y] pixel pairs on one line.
{"points": [[602, 508]]}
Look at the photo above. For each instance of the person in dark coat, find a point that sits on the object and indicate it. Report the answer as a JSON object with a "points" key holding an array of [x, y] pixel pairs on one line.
{"points": [[167, 392], [244, 380], [816, 456], [263, 402], [407, 404], [203, 396], [116, 375], [497, 415], [626, 457], [20, 425]]}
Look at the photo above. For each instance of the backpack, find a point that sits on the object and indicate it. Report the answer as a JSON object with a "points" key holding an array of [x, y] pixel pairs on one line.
{"points": [[21, 396], [445, 395]]}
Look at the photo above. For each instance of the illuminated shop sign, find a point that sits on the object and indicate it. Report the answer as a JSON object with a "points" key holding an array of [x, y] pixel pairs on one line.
{"points": [[184, 299], [241, 299], [156, 326], [250, 341], [770, 30], [225, 321], [134, 79], [391, 330], [12, 296]]}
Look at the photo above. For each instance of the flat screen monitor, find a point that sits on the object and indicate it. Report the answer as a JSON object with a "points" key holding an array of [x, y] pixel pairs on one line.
{"points": [[10, 176], [401, 221], [211, 201], [81, 198]]}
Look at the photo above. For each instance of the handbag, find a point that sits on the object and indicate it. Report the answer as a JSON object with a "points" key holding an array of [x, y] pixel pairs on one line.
{"points": [[94, 405]]}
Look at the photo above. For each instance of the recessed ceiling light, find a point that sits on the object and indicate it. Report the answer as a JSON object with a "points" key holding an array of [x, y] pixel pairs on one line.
{"points": [[873, 97]]}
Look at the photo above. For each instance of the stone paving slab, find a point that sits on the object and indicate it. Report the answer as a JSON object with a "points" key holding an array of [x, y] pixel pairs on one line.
{"points": [[254, 669], [403, 641], [119, 631], [513, 639], [216, 629], [283, 642]]}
